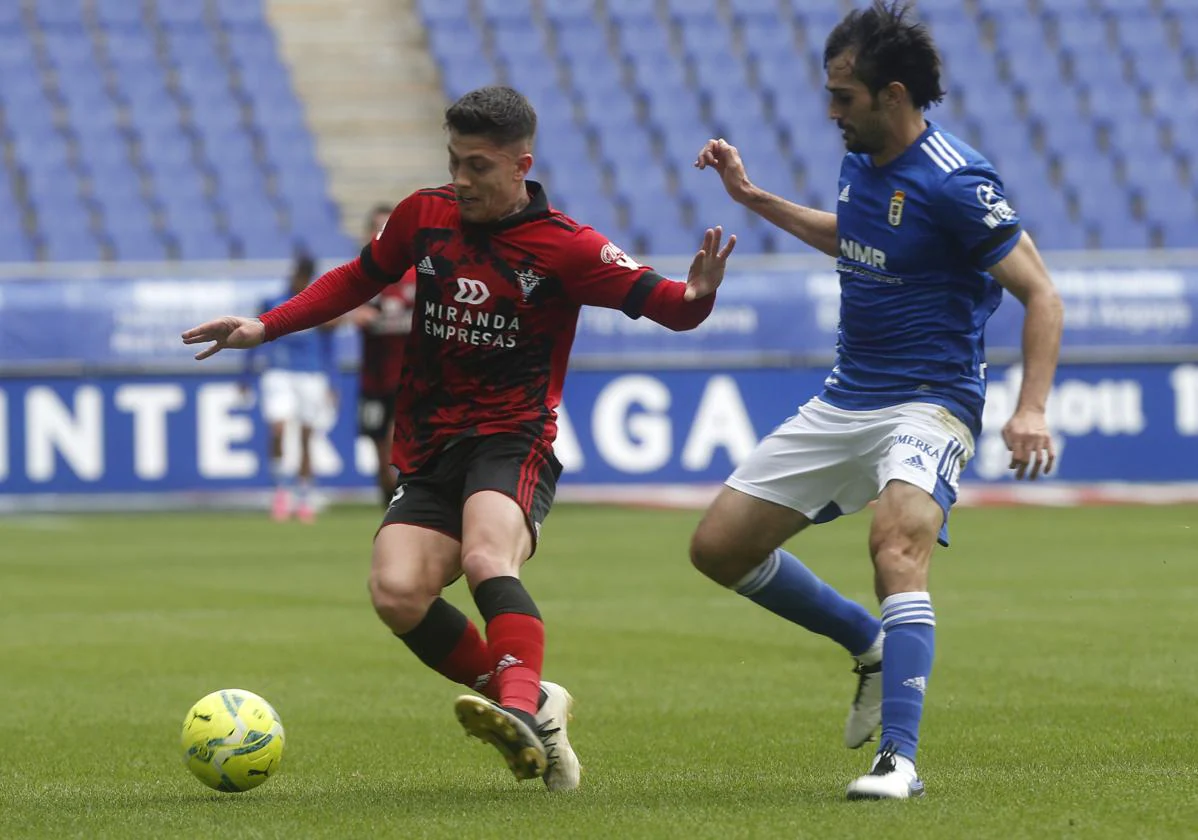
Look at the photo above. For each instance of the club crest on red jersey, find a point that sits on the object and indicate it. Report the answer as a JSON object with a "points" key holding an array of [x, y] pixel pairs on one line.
{"points": [[612, 254], [529, 280]]}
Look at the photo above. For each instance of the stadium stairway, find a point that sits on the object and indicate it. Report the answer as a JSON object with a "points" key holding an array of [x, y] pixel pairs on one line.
{"points": [[371, 94]]}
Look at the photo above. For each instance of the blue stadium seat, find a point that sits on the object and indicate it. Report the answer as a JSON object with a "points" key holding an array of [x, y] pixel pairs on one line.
{"points": [[67, 14], [187, 14], [1179, 232], [104, 152], [200, 244], [708, 45], [118, 14], [635, 40], [444, 11], [569, 11], [513, 11], [15, 246], [243, 13], [10, 16], [723, 72], [117, 189], [605, 101], [263, 242], [657, 71], [662, 239], [1082, 32], [1069, 137], [583, 46], [460, 79], [1016, 31], [326, 241], [316, 214], [769, 38], [125, 214], [70, 244], [1187, 29], [131, 48], [632, 12], [765, 12], [518, 41], [155, 117], [1121, 235], [704, 11], [1142, 34], [16, 51], [70, 51], [137, 245]]}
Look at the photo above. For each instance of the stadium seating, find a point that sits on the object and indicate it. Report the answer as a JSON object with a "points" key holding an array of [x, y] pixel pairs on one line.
{"points": [[152, 130], [1077, 102], [149, 129]]}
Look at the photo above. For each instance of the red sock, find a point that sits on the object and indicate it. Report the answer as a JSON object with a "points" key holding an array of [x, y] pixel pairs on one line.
{"points": [[517, 652], [471, 664]]}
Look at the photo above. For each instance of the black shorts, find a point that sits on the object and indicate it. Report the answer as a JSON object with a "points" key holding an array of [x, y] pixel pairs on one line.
{"points": [[375, 413], [522, 468]]}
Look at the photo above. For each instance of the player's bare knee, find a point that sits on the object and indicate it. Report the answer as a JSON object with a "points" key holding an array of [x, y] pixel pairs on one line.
{"points": [[484, 562], [900, 565], [716, 558], [399, 600]]}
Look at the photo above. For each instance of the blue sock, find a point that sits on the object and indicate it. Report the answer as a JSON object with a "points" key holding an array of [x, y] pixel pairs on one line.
{"points": [[785, 587], [910, 626]]}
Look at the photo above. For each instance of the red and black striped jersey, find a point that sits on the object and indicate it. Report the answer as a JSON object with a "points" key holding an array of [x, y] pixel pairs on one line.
{"points": [[496, 308], [384, 339]]}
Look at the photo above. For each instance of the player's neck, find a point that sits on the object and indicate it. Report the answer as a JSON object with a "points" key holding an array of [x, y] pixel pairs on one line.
{"points": [[905, 134], [521, 202]]}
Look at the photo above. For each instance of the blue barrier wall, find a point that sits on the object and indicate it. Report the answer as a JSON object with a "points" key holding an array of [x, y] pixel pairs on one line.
{"points": [[117, 434], [97, 394]]}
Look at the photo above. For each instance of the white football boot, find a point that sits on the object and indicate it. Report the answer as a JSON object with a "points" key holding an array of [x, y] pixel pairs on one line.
{"points": [[562, 771], [865, 712], [892, 777]]}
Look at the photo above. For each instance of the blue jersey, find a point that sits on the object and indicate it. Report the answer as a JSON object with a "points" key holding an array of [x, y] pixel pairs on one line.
{"points": [[916, 237], [310, 351]]}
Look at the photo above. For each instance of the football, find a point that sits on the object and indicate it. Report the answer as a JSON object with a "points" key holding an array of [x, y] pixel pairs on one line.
{"points": [[232, 740]]}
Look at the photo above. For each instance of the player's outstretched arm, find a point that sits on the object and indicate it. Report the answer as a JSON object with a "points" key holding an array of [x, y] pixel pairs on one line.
{"points": [[1022, 272], [814, 227], [231, 331], [333, 294]]}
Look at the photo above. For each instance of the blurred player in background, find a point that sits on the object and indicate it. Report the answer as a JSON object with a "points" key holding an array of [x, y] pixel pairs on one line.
{"points": [[384, 323], [925, 243], [297, 388], [501, 276]]}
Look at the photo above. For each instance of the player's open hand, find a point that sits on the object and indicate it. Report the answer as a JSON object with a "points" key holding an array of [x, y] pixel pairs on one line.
{"points": [[707, 268], [725, 159], [1026, 435], [229, 331]]}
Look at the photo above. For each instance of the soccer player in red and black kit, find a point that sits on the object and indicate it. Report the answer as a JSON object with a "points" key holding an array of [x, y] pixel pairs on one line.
{"points": [[384, 323], [500, 279]]}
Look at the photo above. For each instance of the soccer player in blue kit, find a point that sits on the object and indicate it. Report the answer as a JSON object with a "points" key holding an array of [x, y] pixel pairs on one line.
{"points": [[925, 243]]}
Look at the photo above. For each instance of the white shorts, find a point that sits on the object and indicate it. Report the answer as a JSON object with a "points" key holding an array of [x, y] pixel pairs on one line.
{"points": [[294, 396], [826, 461]]}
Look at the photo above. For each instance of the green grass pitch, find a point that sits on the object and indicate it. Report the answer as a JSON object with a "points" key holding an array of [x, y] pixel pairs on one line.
{"points": [[1063, 703]]}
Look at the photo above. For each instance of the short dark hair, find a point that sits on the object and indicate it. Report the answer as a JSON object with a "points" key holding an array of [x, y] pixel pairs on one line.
{"points": [[888, 46], [501, 114]]}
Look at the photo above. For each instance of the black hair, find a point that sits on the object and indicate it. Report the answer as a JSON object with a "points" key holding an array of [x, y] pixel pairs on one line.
{"points": [[889, 46], [501, 114]]}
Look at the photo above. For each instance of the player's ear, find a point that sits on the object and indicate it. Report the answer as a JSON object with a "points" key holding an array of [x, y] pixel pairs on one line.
{"points": [[894, 94], [523, 164]]}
